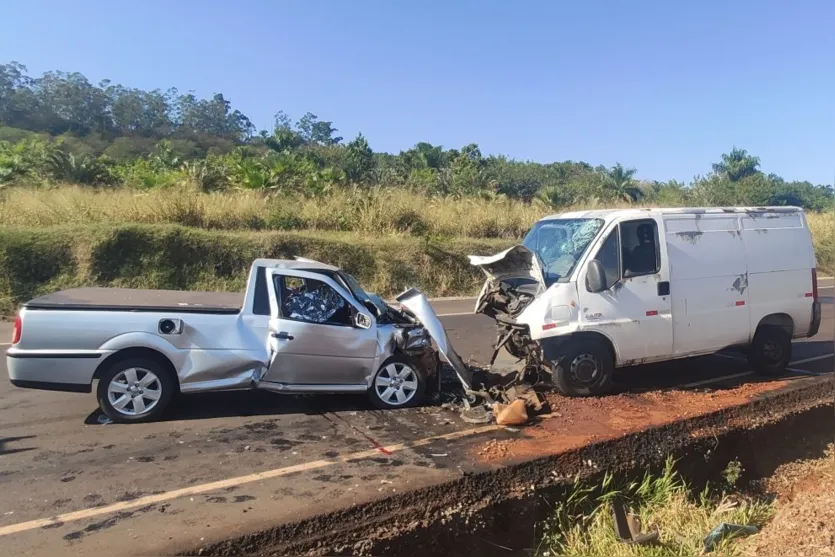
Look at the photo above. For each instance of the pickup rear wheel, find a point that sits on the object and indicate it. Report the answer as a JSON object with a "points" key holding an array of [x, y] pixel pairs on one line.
{"points": [[397, 384], [585, 369], [134, 390]]}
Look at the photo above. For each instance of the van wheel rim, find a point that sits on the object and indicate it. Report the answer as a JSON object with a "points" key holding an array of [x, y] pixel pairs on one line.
{"points": [[396, 384], [772, 351], [134, 391], [584, 369]]}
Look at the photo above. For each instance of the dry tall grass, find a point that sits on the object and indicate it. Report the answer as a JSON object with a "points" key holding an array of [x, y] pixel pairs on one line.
{"points": [[374, 212]]}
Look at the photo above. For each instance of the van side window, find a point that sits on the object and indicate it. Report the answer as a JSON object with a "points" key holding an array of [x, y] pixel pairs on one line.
{"points": [[608, 255], [311, 301], [639, 245]]}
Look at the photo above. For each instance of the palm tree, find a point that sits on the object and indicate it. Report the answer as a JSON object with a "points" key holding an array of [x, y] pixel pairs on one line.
{"points": [[622, 181]]}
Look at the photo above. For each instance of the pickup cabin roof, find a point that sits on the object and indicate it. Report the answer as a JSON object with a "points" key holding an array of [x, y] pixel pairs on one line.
{"points": [[609, 214]]}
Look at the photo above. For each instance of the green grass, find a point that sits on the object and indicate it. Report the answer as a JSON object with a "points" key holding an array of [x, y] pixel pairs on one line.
{"points": [[34, 261], [582, 523]]}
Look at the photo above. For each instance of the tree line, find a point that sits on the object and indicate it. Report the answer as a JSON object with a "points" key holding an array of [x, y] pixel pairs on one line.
{"points": [[59, 127]]}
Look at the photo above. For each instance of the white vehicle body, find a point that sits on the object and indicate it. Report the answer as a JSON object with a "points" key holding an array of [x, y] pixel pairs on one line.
{"points": [[711, 278]]}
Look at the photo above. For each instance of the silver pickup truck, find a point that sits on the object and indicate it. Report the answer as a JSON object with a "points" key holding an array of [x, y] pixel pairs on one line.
{"points": [[300, 327]]}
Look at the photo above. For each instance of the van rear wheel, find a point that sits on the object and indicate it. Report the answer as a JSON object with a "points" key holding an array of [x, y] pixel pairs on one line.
{"points": [[770, 351], [585, 369]]}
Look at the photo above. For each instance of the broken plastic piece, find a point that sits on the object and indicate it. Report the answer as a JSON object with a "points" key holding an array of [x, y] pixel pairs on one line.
{"points": [[628, 527], [724, 530]]}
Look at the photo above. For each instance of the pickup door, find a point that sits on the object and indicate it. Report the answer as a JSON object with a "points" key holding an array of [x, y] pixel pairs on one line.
{"points": [[313, 336]]}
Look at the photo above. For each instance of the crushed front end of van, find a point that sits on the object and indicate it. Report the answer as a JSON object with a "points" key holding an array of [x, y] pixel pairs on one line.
{"points": [[528, 293]]}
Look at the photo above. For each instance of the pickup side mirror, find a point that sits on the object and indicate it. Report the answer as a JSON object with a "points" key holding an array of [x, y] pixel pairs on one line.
{"points": [[361, 320], [595, 276]]}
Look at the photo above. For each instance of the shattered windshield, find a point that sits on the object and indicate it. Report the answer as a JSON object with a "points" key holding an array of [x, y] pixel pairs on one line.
{"points": [[360, 294], [559, 244]]}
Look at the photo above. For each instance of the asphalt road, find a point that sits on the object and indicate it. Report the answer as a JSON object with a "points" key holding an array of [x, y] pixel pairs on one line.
{"points": [[228, 463]]}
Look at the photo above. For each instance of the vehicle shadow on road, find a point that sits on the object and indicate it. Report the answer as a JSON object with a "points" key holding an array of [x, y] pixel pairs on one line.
{"points": [[5, 441], [719, 372], [255, 403]]}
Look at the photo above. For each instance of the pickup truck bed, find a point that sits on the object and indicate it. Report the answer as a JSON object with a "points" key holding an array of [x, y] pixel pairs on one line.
{"points": [[128, 299]]}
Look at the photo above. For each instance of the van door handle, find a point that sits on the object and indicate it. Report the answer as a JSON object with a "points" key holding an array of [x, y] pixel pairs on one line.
{"points": [[664, 288], [283, 336]]}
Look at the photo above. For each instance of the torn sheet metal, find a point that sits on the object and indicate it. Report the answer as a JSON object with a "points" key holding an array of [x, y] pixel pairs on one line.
{"points": [[516, 261], [414, 301]]}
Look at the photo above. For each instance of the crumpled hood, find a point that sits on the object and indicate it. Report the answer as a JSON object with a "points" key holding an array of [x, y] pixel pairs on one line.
{"points": [[415, 302], [515, 262]]}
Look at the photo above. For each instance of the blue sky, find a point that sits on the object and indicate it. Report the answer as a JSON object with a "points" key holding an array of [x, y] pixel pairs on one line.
{"points": [[663, 86]]}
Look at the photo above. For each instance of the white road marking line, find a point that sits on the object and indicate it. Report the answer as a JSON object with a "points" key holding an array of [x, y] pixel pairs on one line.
{"points": [[730, 357], [454, 314], [240, 480], [807, 360], [5, 343], [715, 379], [803, 371]]}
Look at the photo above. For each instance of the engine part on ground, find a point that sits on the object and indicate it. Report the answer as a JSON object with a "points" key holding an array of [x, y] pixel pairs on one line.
{"points": [[628, 527], [477, 415], [510, 414], [525, 392]]}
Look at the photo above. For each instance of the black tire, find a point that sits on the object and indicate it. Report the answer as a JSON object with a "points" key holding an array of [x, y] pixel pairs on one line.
{"points": [[585, 369], [162, 382], [770, 351], [398, 363]]}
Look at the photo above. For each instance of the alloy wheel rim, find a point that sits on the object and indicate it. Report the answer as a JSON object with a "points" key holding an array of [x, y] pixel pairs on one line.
{"points": [[134, 391], [396, 384]]}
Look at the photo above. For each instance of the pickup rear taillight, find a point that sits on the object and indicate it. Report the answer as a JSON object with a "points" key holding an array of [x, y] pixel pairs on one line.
{"points": [[18, 330], [815, 284]]}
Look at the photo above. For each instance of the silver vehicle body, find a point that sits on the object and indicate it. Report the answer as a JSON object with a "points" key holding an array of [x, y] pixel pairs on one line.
{"points": [[213, 341]]}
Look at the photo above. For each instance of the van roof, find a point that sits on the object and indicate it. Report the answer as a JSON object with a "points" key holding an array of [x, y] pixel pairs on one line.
{"points": [[609, 214]]}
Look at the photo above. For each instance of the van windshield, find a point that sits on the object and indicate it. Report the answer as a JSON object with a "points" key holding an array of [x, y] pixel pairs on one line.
{"points": [[560, 243]]}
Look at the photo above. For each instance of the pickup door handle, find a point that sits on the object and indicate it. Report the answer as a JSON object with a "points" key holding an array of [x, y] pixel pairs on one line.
{"points": [[283, 336], [664, 288]]}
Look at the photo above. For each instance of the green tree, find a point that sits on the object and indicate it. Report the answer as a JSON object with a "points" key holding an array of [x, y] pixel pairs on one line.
{"points": [[623, 184], [737, 165], [359, 160]]}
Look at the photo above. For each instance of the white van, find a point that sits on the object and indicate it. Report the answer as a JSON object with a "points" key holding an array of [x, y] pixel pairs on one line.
{"points": [[590, 291]]}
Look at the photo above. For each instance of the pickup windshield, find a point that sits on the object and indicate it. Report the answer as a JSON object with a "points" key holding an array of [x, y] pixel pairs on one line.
{"points": [[361, 295], [560, 243]]}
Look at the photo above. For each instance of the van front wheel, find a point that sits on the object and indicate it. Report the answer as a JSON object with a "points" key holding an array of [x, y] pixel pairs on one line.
{"points": [[770, 351], [585, 369]]}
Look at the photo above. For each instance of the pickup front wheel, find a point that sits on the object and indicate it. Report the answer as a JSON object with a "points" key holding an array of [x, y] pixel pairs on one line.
{"points": [[397, 384], [135, 390]]}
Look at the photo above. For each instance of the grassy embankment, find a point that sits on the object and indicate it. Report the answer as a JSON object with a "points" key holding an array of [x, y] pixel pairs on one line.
{"points": [[57, 238], [792, 508]]}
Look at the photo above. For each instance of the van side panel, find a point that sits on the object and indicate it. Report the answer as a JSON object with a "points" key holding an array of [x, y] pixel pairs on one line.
{"points": [[708, 282], [780, 260]]}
